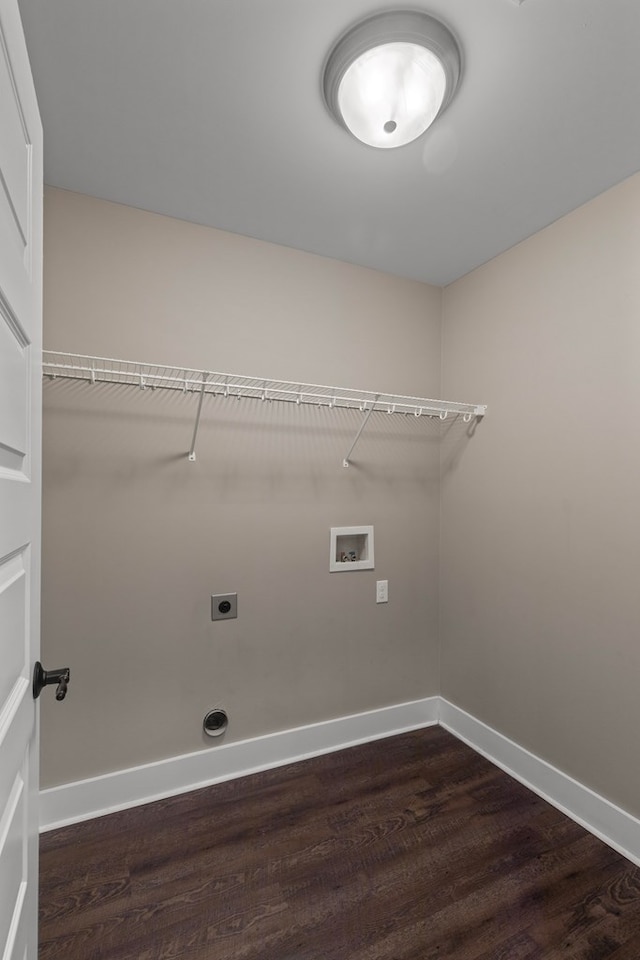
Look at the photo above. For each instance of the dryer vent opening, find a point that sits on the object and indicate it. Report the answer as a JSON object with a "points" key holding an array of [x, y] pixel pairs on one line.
{"points": [[215, 723]]}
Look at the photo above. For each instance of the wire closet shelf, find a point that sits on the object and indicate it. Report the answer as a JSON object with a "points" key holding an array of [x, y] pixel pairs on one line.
{"points": [[152, 376]]}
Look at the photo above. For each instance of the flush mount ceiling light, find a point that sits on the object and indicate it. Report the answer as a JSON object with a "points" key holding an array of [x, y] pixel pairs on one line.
{"points": [[387, 79]]}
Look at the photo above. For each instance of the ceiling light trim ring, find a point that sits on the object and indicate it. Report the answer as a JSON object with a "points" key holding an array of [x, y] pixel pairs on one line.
{"points": [[393, 26]]}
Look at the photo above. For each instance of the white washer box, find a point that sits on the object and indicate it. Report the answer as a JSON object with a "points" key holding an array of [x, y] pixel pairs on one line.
{"points": [[351, 548]]}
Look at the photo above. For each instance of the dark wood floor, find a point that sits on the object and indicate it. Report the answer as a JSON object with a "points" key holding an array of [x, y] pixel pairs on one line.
{"points": [[410, 848]]}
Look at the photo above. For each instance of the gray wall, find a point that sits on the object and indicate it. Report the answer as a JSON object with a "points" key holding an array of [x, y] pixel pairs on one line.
{"points": [[540, 574], [136, 538], [540, 528]]}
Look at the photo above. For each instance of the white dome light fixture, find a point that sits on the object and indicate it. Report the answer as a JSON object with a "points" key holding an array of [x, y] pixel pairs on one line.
{"points": [[389, 77]]}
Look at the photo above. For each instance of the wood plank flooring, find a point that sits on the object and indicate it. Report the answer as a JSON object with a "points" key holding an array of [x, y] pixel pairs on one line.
{"points": [[410, 848]]}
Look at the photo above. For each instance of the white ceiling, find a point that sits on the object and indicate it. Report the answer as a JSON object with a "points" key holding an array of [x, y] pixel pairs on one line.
{"points": [[211, 111]]}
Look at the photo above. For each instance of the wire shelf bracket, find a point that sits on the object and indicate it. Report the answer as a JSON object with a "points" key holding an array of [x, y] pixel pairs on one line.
{"points": [[346, 462], [74, 366], [192, 448]]}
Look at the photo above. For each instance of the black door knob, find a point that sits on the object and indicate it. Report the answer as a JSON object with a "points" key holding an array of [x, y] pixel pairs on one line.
{"points": [[42, 678]]}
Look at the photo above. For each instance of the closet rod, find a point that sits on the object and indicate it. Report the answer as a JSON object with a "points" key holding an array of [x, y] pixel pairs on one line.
{"points": [[157, 376]]}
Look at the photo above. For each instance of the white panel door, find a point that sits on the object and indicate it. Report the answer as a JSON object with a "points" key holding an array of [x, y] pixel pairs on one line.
{"points": [[20, 441]]}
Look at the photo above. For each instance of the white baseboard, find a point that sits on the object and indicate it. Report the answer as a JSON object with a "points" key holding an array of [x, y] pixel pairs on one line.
{"points": [[599, 816], [85, 799]]}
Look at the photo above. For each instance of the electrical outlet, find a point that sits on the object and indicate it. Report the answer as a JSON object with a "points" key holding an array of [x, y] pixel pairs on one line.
{"points": [[224, 606], [382, 591]]}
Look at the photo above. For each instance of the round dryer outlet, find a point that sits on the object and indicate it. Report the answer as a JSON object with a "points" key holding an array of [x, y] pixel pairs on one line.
{"points": [[215, 723]]}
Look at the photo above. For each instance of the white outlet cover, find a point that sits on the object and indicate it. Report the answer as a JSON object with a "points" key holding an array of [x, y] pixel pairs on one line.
{"points": [[382, 591]]}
